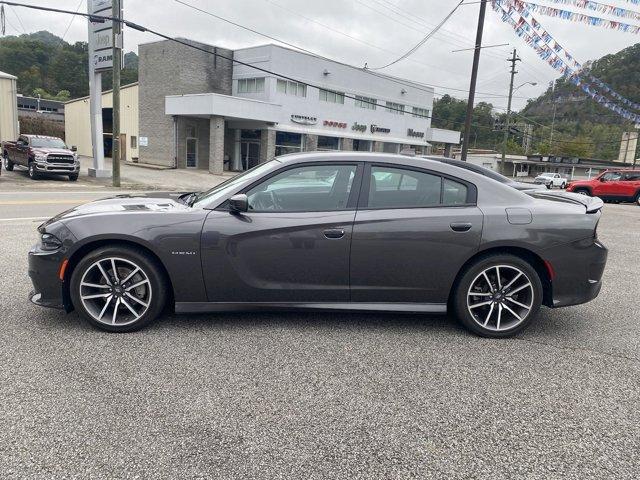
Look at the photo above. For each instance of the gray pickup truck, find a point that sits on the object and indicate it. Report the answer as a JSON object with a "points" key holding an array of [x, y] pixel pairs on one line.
{"points": [[41, 155]]}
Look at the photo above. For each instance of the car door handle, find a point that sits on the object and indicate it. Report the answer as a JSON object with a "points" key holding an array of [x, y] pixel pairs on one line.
{"points": [[461, 227], [334, 233]]}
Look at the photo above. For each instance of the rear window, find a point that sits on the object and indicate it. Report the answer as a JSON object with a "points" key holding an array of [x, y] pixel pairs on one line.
{"points": [[631, 176]]}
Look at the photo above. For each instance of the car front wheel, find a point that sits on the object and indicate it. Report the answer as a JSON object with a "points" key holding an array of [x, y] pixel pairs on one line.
{"points": [[33, 173], [73, 177], [118, 289], [8, 164], [498, 296]]}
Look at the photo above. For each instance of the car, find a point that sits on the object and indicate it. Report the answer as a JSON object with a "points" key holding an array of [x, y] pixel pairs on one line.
{"points": [[41, 155], [619, 185], [551, 180], [328, 230], [487, 172]]}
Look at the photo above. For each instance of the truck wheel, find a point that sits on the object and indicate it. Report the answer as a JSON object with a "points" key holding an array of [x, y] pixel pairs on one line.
{"points": [[564, 185], [73, 177], [549, 186], [8, 164], [33, 173]]}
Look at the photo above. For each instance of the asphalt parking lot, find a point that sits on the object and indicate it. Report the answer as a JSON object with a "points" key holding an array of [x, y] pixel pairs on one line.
{"points": [[320, 395]]}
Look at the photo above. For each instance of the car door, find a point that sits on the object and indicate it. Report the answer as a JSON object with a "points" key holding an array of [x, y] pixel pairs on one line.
{"points": [[629, 184], [413, 231], [292, 245], [22, 151], [608, 186]]}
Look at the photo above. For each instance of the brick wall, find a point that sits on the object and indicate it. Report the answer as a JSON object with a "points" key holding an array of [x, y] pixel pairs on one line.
{"points": [[167, 68]]}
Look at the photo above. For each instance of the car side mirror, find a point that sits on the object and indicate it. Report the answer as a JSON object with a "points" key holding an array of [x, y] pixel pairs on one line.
{"points": [[239, 203], [602, 179], [74, 148]]}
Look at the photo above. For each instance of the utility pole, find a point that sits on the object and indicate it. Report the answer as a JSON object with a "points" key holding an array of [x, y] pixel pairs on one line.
{"points": [[514, 58], [553, 119], [117, 60], [474, 78]]}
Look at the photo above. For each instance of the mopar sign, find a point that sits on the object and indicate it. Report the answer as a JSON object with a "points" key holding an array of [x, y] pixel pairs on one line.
{"points": [[412, 133]]}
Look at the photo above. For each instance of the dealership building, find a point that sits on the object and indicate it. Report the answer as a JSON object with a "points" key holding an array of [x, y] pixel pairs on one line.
{"points": [[199, 109]]}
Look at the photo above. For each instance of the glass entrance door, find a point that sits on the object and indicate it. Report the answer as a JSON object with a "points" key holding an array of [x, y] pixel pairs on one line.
{"points": [[192, 152], [250, 154]]}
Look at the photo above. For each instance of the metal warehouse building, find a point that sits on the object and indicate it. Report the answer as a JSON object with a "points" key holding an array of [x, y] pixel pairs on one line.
{"points": [[8, 107], [195, 109]]}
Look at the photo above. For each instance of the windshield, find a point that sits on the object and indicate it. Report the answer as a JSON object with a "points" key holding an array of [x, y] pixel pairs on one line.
{"points": [[47, 143], [222, 189], [546, 175]]}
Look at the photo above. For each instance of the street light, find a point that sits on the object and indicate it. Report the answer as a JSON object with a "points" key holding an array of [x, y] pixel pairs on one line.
{"points": [[533, 84]]}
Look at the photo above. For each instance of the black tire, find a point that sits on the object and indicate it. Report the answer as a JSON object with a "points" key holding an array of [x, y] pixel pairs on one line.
{"points": [[127, 257], [637, 199], [582, 191], [563, 186], [510, 325], [8, 164], [548, 186], [33, 173], [73, 177]]}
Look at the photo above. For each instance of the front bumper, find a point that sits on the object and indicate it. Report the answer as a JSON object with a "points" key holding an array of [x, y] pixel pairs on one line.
{"points": [[58, 168], [44, 267], [578, 269]]}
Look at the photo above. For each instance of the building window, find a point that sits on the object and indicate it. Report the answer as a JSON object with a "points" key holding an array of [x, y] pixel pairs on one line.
{"points": [[362, 145], [288, 143], [390, 147], [366, 102], [291, 88], [396, 108], [331, 97], [420, 112], [134, 141], [328, 143], [251, 85]]}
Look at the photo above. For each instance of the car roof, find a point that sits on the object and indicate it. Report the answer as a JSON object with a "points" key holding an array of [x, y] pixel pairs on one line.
{"points": [[31, 135]]}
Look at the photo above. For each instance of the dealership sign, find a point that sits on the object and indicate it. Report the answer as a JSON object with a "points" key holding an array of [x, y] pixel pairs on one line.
{"points": [[304, 119], [101, 34], [412, 133], [377, 129], [358, 127], [333, 123]]}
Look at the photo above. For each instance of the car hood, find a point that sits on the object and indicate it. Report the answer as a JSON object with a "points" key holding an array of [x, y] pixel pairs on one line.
{"points": [[152, 202], [52, 151], [591, 204]]}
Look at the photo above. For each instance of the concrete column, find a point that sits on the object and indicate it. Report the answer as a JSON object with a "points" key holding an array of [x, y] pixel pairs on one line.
{"points": [[311, 144], [267, 145], [347, 144], [447, 150], [216, 145], [237, 160]]}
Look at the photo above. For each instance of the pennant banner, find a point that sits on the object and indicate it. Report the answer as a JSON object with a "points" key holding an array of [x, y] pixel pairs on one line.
{"points": [[579, 17], [515, 13], [602, 8]]}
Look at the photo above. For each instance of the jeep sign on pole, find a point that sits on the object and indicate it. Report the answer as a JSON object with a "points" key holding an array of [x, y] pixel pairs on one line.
{"points": [[100, 36]]}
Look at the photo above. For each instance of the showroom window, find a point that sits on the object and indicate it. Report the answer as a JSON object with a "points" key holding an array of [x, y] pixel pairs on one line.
{"points": [[366, 102], [400, 188], [291, 88], [251, 85], [316, 188], [395, 108], [420, 112], [287, 142], [331, 97], [362, 145], [328, 143], [391, 147]]}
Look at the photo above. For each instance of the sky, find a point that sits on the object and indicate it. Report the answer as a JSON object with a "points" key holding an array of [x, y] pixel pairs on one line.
{"points": [[374, 32]]}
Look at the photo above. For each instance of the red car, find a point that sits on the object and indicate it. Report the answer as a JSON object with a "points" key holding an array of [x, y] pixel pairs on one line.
{"points": [[613, 185]]}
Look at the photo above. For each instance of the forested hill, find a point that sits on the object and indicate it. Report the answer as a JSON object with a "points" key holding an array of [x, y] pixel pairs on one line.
{"points": [[46, 64]]}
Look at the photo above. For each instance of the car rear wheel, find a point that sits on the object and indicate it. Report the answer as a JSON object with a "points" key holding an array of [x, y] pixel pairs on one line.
{"points": [[637, 200], [582, 191], [498, 296], [118, 289], [33, 173], [8, 164]]}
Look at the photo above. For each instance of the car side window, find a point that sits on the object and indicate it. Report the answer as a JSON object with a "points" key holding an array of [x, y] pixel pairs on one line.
{"points": [[313, 188], [612, 176], [393, 187], [631, 177]]}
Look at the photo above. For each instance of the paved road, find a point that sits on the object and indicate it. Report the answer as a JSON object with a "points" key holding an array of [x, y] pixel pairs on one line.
{"points": [[323, 395]]}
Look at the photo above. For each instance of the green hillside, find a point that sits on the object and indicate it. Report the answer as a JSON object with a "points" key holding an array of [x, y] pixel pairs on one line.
{"points": [[46, 64]]}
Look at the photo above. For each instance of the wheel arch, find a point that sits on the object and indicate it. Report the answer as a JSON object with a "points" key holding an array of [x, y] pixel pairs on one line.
{"points": [[525, 254], [92, 245]]}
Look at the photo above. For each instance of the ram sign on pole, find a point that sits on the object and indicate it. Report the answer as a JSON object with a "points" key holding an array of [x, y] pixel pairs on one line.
{"points": [[100, 36]]}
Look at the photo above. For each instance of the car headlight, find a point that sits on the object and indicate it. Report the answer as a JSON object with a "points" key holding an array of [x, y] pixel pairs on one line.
{"points": [[40, 158], [50, 242]]}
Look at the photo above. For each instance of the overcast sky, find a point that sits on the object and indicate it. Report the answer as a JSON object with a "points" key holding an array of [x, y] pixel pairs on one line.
{"points": [[355, 32]]}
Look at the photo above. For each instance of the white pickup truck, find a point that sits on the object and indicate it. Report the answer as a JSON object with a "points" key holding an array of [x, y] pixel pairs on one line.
{"points": [[551, 180]]}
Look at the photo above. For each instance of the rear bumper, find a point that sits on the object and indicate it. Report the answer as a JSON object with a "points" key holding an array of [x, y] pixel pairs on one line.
{"points": [[578, 269]]}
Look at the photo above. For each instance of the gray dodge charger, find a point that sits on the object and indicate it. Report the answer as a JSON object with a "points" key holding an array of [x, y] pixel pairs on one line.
{"points": [[341, 231]]}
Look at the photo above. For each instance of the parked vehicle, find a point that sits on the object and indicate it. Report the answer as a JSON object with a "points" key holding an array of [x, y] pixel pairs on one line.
{"points": [[338, 231], [487, 172], [41, 155], [612, 185], [551, 180]]}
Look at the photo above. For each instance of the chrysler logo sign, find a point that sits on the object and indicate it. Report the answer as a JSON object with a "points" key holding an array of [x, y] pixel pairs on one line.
{"points": [[304, 119]]}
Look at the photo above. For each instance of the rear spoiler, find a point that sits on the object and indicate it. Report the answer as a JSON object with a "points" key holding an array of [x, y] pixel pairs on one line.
{"points": [[591, 204]]}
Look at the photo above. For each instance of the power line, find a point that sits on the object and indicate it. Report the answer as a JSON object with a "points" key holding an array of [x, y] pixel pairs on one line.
{"points": [[19, 20], [69, 25], [424, 40]]}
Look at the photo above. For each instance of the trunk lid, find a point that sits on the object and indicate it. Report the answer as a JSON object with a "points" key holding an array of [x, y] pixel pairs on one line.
{"points": [[591, 204]]}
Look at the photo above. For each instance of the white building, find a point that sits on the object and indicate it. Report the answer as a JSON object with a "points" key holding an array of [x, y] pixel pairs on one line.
{"points": [[8, 107]]}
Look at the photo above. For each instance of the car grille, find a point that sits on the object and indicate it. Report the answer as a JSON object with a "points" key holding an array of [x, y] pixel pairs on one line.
{"points": [[60, 159]]}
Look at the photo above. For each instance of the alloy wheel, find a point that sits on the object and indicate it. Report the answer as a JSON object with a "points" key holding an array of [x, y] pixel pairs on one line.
{"points": [[500, 298], [115, 291]]}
